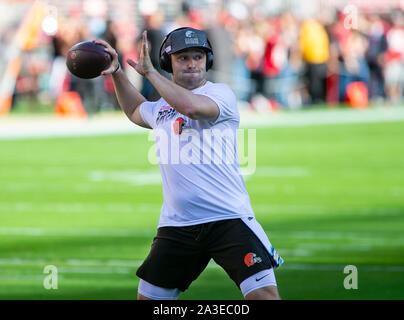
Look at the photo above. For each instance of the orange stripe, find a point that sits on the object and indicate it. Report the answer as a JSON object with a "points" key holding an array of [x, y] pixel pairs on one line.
{"points": [[27, 36], [5, 104]]}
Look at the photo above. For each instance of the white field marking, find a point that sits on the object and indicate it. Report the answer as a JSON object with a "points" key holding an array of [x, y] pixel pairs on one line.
{"points": [[336, 267], [81, 207], [288, 208], [133, 177], [109, 263], [384, 212], [137, 208], [72, 262], [24, 277], [286, 267], [263, 208], [51, 187], [39, 126], [51, 171], [270, 171], [20, 261], [84, 265], [317, 235], [336, 235], [153, 177], [360, 239], [40, 232], [315, 247], [33, 186], [274, 171], [54, 171], [117, 266], [100, 270], [294, 252], [321, 117], [34, 127]]}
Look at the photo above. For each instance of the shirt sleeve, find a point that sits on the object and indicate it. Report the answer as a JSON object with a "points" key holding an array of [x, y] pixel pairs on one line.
{"points": [[147, 113], [226, 101]]}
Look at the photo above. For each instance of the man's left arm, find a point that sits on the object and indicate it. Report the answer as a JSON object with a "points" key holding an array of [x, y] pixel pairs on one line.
{"points": [[192, 105]]}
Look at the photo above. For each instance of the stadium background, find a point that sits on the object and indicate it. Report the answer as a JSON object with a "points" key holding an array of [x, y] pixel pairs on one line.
{"points": [[77, 189]]}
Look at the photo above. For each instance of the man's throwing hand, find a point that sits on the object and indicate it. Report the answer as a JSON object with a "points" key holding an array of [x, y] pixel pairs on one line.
{"points": [[115, 62], [144, 65]]}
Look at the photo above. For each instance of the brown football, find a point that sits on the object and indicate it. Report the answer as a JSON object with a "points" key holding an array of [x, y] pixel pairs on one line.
{"points": [[87, 60]]}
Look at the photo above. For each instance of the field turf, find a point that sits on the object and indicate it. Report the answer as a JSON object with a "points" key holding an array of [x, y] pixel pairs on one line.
{"points": [[327, 195]]}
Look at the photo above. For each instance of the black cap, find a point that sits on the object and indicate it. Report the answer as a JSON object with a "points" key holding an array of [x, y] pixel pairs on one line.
{"points": [[185, 38]]}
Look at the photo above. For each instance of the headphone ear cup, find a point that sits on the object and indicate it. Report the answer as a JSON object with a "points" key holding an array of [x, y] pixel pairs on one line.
{"points": [[165, 62], [209, 60], [209, 56]]}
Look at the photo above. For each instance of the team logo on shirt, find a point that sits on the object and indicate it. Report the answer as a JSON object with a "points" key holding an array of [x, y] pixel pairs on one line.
{"points": [[165, 113], [251, 258], [178, 125]]}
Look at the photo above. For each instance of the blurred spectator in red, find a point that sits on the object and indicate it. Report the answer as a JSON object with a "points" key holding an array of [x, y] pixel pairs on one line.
{"points": [[283, 62], [394, 67], [336, 33], [256, 51], [274, 57]]}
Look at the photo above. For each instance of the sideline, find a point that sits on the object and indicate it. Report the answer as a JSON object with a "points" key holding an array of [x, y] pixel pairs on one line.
{"points": [[14, 127]]}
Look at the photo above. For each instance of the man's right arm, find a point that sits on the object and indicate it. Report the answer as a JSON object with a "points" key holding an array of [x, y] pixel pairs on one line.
{"points": [[129, 98]]}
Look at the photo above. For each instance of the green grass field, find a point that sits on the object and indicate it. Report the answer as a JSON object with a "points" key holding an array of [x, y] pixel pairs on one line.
{"points": [[328, 196]]}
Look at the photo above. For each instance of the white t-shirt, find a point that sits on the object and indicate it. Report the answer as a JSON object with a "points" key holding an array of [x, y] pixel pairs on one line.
{"points": [[198, 161]]}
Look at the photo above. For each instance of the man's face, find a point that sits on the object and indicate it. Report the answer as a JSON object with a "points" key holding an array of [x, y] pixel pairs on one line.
{"points": [[189, 68]]}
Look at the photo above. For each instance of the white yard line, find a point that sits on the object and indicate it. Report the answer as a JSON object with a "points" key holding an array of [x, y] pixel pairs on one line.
{"points": [[39, 232], [94, 266], [23, 277], [321, 117], [38, 126], [132, 177], [153, 177], [337, 267], [80, 207], [52, 127], [376, 238]]}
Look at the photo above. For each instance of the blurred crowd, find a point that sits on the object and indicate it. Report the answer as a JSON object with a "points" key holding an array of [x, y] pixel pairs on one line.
{"points": [[271, 61]]}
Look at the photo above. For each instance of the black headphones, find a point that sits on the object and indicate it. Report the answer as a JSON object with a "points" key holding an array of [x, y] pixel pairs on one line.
{"points": [[165, 60]]}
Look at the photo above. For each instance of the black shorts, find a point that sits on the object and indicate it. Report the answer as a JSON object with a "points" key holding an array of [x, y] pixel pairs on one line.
{"points": [[178, 255]]}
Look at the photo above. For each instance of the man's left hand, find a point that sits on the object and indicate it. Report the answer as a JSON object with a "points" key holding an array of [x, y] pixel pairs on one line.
{"points": [[144, 65]]}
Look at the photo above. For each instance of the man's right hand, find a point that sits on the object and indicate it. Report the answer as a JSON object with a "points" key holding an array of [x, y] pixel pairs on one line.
{"points": [[115, 62]]}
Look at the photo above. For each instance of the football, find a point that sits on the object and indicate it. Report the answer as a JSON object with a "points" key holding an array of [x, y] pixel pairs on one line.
{"points": [[87, 60]]}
